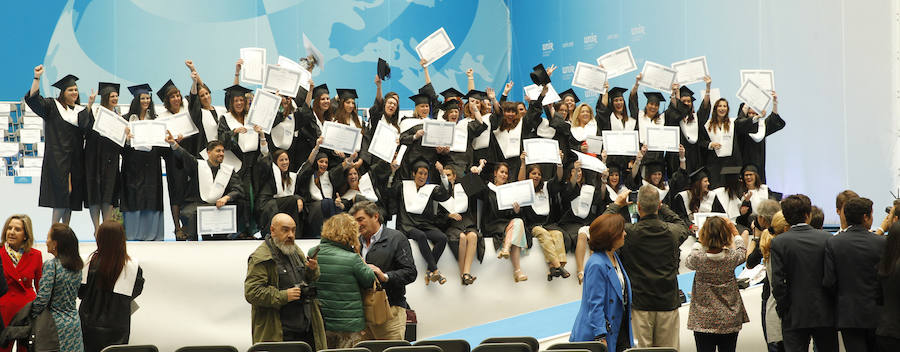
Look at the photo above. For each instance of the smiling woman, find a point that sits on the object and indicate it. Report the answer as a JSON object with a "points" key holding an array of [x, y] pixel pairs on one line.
{"points": [[21, 267]]}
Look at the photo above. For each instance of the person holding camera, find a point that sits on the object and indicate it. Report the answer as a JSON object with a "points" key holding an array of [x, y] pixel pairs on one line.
{"points": [[650, 256], [277, 286]]}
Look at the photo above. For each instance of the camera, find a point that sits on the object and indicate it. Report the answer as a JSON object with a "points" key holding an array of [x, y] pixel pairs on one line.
{"points": [[633, 196]]}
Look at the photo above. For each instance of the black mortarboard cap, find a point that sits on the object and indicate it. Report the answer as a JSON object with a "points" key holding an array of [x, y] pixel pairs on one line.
{"points": [[65, 82], [471, 183], [319, 90], [139, 89], [234, 91], [654, 96], [451, 93], [698, 174], [321, 155], [539, 75], [428, 90], [384, 70], [654, 166], [613, 167], [418, 164], [686, 92], [616, 92], [750, 167], [450, 104], [163, 92], [345, 94], [476, 94], [571, 93], [730, 170], [420, 99], [106, 88]]}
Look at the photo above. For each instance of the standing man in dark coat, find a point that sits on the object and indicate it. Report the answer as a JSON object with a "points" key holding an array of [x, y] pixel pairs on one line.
{"points": [[851, 258], [798, 258], [388, 253]]}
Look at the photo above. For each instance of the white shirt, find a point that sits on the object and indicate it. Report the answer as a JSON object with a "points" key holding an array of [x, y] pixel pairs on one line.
{"points": [[375, 237]]}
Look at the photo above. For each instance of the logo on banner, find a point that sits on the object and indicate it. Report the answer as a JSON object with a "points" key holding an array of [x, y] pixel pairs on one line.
{"points": [[568, 44], [590, 41], [568, 69], [638, 32], [547, 48]]}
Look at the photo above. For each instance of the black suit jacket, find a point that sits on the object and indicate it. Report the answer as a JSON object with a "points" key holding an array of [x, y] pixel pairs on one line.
{"points": [[890, 311], [798, 258], [391, 253], [850, 271]]}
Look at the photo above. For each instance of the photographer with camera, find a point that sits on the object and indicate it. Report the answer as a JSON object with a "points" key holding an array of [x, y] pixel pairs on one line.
{"points": [[893, 215], [277, 286]]}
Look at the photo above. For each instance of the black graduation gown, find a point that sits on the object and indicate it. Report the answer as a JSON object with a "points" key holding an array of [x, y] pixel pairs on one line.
{"points": [[678, 207], [605, 118], [694, 154], [63, 155], [714, 163], [101, 164], [462, 161], [195, 109], [528, 123], [308, 131], [569, 222], [755, 152], [494, 220], [469, 222], [234, 189], [296, 160], [415, 151], [267, 205], [315, 218], [532, 219], [142, 179], [430, 217], [105, 315]]}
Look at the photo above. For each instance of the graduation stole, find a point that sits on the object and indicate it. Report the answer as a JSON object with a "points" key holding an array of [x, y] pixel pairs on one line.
{"points": [[69, 115], [211, 189], [279, 182], [645, 122], [541, 204], [459, 202], [124, 284], [510, 141], [325, 181], [416, 200], [581, 205], [662, 192], [366, 189], [483, 140], [283, 133], [248, 141], [461, 136], [689, 130], [581, 132], [210, 125]]}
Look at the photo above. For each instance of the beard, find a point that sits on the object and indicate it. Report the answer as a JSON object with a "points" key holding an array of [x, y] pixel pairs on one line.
{"points": [[287, 248]]}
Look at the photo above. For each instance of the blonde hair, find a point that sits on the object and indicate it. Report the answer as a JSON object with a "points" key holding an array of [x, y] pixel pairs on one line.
{"points": [[341, 228], [779, 226], [26, 225], [573, 115]]}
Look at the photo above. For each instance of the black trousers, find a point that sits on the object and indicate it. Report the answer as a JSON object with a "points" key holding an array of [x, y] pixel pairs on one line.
{"points": [[888, 344], [307, 337], [707, 342], [798, 339], [862, 340], [431, 255]]}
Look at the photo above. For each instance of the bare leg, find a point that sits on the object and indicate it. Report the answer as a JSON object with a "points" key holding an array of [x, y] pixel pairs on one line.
{"points": [[461, 261], [95, 216], [514, 255], [107, 210], [580, 252], [471, 250]]}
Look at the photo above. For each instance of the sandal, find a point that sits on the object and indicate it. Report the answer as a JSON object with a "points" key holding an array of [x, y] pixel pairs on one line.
{"points": [[437, 277], [519, 276], [467, 279], [554, 272], [580, 277], [563, 272], [503, 254]]}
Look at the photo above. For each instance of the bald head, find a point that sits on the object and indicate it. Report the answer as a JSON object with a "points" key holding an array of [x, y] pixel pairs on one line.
{"points": [[282, 228]]}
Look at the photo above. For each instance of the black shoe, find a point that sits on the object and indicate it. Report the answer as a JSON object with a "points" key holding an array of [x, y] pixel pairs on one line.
{"points": [[564, 273]]}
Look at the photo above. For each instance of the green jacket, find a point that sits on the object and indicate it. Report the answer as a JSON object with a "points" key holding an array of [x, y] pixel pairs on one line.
{"points": [[344, 275], [261, 291]]}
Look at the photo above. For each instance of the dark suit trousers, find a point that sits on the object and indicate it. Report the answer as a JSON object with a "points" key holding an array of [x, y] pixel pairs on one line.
{"points": [[858, 340], [888, 344], [797, 340]]}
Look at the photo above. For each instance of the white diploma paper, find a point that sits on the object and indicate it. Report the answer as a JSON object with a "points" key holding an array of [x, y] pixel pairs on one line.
{"points": [[541, 151], [340, 137], [283, 80], [435, 46], [663, 138], [384, 141], [590, 162], [621, 142], [691, 70], [293, 65], [765, 79], [438, 133], [754, 96], [594, 144], [148, 133], [657, 76], [700, 218], [29, 135], [589, 77], [253, 69], [212, 220], [263, 109], [618, 62], [180, 123], [534, 91], [111, 126], [521, 192]]}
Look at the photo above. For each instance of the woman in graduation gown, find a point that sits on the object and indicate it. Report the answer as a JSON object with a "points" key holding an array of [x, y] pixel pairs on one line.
{"points": [[719, 139], [176, 179], [312, 112], [22, 267], [141, 199], [459, 158], [101, 160], [690, 123], [585, 193], [732, 195], [507, 226], [509, 129], [411, 133], [345, 113], [110, 282], [317, 189], [756, 190], [696, 199], [203, 114], [62, 169], [655, 174], [278, 190], [537, 216], [463, 237], [385, 108], [753, 143], [355, 186], [582, 125], [612, 115], [237, 134], [419, 216]]}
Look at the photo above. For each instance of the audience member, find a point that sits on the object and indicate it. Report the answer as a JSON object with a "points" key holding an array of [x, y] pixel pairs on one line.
{"points": [[59, 287]]}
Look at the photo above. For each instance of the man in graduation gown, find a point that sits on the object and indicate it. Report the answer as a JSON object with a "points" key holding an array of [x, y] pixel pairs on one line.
{"points": [[211, 183]]}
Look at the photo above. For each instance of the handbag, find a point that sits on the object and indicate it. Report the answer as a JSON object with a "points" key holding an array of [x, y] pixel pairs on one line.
{"points": [[44, 336], [376, 306]]}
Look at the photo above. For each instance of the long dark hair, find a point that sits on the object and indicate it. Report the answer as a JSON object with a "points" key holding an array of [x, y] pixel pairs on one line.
{"points": [[66, 247], [540, 185], [509, 106], [891, 256], [714, 120], [394, 119], [286, 175], [135, 107], [697, 194], [734, 186], [340, 116], [111, 254], [60, 99]]}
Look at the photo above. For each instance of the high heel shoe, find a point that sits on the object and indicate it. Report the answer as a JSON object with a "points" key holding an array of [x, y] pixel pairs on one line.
{"points": [[554, 272], [503, 254], [467, 279], [437, 277], [580, 277], [519, 276], [563, 273]]}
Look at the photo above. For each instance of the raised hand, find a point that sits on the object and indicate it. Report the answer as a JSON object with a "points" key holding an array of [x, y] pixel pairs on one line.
{"points": [[708, 81], [190, 65], [492, 95], [92, 97], [423, 62], [377, 80], [38, 71], [551, 70], [470, 73], [507, 88]]}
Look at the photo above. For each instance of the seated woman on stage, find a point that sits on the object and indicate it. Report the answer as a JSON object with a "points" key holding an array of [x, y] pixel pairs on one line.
{"points": [[505, 226], [696, 199], [463, 237], [278, 191], [757, 192], [537, 216], [586, 197], [317, 189], [731, 197], [418, 216]]}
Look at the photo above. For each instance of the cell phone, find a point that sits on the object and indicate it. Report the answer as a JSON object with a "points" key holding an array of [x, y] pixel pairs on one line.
{"points": [[632, 196], [314, 253]]}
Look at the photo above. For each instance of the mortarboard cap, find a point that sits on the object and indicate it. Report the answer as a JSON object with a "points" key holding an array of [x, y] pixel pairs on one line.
{"points": [[750, 167], [450, 104], [654, 166], [384, 70], [163, 92], [471, 183], [345, 94], [654, 97], [570, 92], [106, 88], [539, 75], [420, 99], [139, 89], [65, 82], [730, 170], [234, 91], [616, 92], [698, 174], [451, 93], [321, 155], [418, 164], [314, 52], [476, 94], [686, 92], [319, 90]]}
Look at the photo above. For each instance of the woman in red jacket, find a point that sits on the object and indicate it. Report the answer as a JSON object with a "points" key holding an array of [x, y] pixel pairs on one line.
{"points": [[21, 267]]}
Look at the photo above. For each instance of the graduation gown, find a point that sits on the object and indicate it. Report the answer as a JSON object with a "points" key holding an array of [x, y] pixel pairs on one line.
{"points": [[106, 313], [681, 205], [609, 122], [176, 177], [101, 164], [691, 132], [585, 203], [429, 218], [207, 122], [494, 220], [63, 160], [273, 196], [539, 214], [142, 179], [466, 206], [308, 131], [753, 143], [313, 195], [284, 135], [714, 163], [461, 153], [506, 146], [409, 126]]}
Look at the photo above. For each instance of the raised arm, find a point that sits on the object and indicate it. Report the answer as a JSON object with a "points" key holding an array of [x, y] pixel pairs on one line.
{"points": [[195, 77], [633, 98], [237, 71], [470, 77], [425, 69], [36, 82]]}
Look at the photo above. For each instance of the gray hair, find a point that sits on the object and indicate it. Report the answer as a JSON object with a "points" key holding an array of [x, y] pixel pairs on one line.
{"points": [[767, 209], [370, 208], [648, 199]]}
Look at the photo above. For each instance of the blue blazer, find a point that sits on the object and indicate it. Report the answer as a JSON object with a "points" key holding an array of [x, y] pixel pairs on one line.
{"points": [[602, 307]]}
